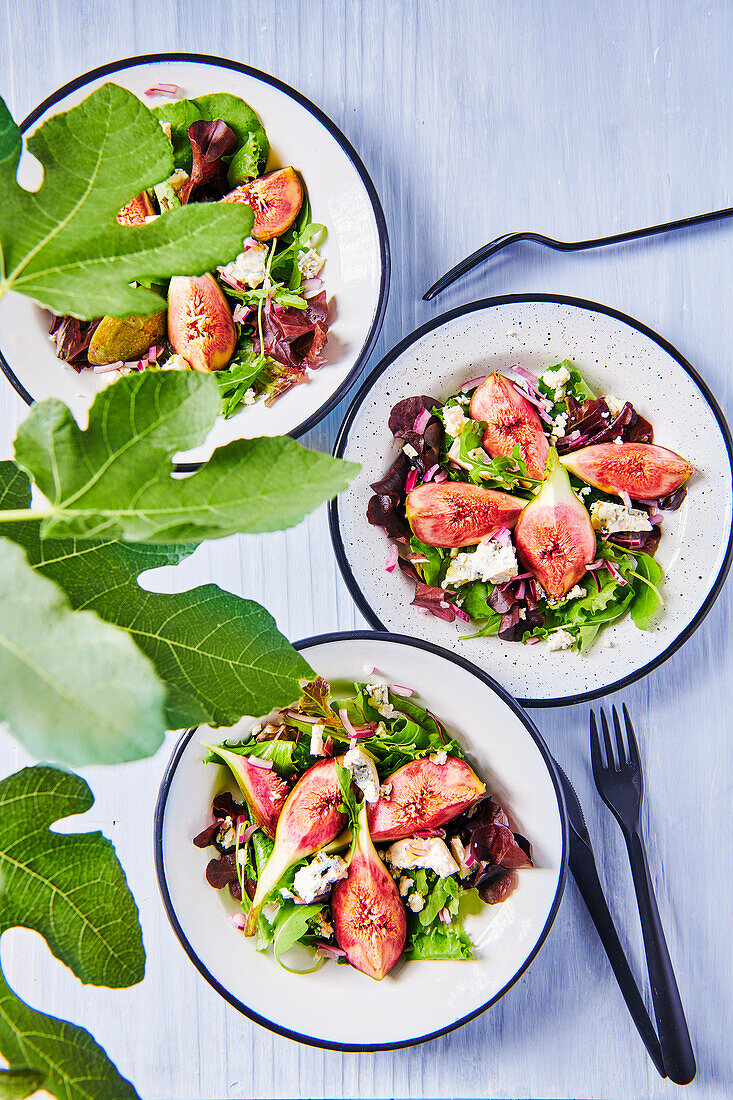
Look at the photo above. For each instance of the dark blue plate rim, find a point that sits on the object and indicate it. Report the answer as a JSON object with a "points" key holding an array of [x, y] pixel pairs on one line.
{"points": [[511, 702]]}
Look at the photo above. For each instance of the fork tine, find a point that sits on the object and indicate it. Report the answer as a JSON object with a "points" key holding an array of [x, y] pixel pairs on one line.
{"points": [[612, 766], [623, 756], [630, 734], [595, 747]]}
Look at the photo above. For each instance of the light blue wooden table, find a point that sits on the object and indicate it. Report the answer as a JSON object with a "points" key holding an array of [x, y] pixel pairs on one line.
{"points": [[474, 119]]}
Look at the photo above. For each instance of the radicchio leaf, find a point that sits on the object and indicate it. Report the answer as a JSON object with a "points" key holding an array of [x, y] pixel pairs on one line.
{"points": [[595, 423], [72, 338], [638, 430], [210, 141], [295, 337], [648, 541], [672, 502], [405, 413], [222, 872], [428, 596]]}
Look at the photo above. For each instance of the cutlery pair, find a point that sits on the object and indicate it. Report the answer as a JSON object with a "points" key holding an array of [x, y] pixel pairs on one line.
{"points": [[619, 780]]}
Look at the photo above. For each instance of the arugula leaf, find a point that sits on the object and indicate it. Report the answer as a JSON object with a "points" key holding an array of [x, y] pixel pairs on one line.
{"points": [[436, 559], [502, 472], [219, 656], [114, 478], [239, 376], [72, 890], [66, 676], [291, 924], [351, 805], [647, 578], [445, 894], [62, 245]]}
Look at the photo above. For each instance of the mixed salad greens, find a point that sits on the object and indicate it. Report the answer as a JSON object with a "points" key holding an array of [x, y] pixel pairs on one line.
{"points": [[260, 323], [529, 506], [365, 836]]}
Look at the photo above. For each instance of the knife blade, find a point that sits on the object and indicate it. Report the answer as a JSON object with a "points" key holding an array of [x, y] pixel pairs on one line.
{"points": [[583, 867]]}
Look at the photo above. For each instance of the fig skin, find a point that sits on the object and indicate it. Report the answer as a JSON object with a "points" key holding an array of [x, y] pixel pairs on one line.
{"points": [[452, 513], [275, 199], [264, 791], [200, 324], [510, 420], [643, 470], [554, 537], [309, 820], [136, 210], [367, 912], [125, 338], [424, 795]]}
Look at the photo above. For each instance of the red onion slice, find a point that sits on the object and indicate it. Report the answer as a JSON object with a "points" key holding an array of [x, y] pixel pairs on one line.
{"points": [[421, 421], [161, 90], [258, 762], [472, 382], [400, 689], [410, 481], [392, 558]]}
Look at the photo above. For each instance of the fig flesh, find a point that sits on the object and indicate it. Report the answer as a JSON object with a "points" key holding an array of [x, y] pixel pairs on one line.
{"points": [[136, 210], [511, 420], [553, 535], [200, 325], [643, 470], [124, 338], [275, 199], [309, 819], [452, 513], [263, 789], [424, 795], [367, 911]]}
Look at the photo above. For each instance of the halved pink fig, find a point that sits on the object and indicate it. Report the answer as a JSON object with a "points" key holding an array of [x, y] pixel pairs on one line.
{"points": [[510, 420], [554, 536], [643, 470], [367, 911], [276, 200], [263, 789], [200, 325], [424, 795], [452, 513], [309, 819]]}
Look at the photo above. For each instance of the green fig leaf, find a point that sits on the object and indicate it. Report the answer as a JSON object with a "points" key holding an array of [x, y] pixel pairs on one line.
{"points": [[72, 687], [218, 655], [62, 245], [71, 889], [114, 478]]}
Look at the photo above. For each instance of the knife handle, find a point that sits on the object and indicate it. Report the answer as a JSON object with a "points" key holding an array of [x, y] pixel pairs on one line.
{"points": [[674, 1037], [585, 873]]}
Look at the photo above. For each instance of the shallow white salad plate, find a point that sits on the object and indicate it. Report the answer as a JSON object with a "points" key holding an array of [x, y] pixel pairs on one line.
{"points": [[617, 355], [417, 1000], [342, 196]]}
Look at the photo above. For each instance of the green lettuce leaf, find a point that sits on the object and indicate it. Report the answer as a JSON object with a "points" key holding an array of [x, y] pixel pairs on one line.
{"points": [[113, 479], [71, 889], [218, 655], [62, 245], [649, 575], [440, 941]]}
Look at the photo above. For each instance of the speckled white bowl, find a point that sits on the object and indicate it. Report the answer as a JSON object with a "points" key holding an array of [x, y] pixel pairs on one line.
{"points": [[338, 1007], [342, 196], [617, 355]]}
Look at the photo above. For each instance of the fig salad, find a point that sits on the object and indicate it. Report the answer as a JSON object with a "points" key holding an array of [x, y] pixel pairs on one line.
{"points": [[363, 834], [260, 322], [528, 506]]}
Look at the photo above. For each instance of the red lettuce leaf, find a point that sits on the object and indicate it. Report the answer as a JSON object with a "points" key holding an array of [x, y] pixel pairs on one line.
{"points": [[210, 141]]}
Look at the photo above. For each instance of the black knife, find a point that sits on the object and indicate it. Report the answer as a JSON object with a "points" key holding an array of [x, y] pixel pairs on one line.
{"points": [[585, 873]]}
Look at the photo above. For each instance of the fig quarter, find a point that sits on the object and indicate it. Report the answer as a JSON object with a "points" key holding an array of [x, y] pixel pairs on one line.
{"points": [[510, 420], [367, 911], [200, 324], [643, 470], [553, 535], [424, 795], [310, 819], [452, 513], [275, 200]]}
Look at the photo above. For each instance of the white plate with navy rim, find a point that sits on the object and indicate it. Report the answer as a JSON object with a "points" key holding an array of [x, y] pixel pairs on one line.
{"points": [[342, 196], [416, 1001], [617, 355]]}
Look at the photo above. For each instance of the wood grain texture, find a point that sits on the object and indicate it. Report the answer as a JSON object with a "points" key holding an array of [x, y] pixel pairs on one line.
{"points": [[474, 118]]}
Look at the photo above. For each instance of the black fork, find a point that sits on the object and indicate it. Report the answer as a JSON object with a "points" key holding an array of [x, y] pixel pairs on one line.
{"points": [[618, 776]]}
